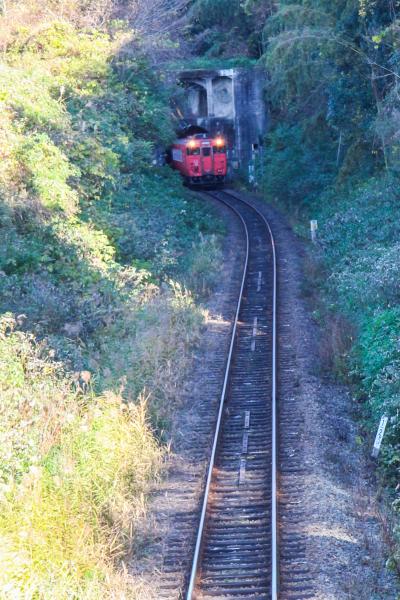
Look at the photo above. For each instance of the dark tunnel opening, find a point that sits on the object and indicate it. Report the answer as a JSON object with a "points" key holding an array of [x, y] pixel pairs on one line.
{"points": [[190, 130]]}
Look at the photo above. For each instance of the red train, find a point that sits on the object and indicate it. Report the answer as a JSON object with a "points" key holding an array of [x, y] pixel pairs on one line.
{"points": [[200, 159]]}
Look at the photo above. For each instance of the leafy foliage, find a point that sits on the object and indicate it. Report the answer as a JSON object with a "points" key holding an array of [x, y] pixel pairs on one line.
{"points": [[359, 236], [219, 28], [98, 247], [293, 154]]}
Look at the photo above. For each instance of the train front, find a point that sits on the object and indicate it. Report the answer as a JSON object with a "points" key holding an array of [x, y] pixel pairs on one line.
{"points": [[201, 159]]}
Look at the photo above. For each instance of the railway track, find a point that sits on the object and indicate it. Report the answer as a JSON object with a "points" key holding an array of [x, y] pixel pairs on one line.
{"points": [[236, 553]]}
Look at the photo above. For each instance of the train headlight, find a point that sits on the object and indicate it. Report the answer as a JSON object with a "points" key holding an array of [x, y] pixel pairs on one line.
{"points": [[219, 141], [192, 144]]}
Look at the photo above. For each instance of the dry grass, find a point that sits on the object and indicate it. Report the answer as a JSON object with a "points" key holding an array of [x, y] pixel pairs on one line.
{"points": [[76, 467], [156, 20], [76, 486], [336, 344], [33, 15], [152, 350], [338, 333]]}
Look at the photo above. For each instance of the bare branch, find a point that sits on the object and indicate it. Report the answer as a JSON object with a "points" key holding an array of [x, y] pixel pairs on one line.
{"points": [[155, 17]]}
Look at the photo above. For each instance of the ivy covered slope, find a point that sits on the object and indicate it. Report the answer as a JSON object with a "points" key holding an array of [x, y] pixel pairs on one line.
{"points": [[98, 248], [332, 154]]}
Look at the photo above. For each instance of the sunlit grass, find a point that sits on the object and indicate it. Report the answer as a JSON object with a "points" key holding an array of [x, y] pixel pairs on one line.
{"points": [[68, 511]]}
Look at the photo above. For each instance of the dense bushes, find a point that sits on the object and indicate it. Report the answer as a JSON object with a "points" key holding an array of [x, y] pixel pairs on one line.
{"points": [[358, 258], [101, 257], [219, 28], [356, 265], [297, 167], [361, 255]]}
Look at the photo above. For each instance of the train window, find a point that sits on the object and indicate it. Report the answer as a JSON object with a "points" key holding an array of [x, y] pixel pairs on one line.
{"points": [[206, 151], [177, 155], [193, 151], [219, 149]]}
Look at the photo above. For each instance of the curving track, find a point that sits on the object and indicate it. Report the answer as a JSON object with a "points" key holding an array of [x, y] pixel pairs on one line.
{"points": [[236, 554]]}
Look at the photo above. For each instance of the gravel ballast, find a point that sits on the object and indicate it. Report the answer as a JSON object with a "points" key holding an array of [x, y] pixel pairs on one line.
{"points": [[342, 524]]}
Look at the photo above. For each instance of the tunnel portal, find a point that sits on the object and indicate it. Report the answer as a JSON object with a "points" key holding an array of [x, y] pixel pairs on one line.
{"points": [[228, 102]]}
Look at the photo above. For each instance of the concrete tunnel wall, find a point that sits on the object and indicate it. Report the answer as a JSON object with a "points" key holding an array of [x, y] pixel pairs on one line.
{"points": [[229, 102]]}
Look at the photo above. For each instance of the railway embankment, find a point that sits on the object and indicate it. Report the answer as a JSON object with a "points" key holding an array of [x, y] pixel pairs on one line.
{"points": [[331, 525]]}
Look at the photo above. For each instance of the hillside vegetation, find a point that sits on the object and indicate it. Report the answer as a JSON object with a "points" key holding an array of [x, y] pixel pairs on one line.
{"points": [[102, 259], [332, 154]]}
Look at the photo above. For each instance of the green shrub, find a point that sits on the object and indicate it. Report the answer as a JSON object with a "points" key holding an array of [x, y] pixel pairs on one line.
{"points": [[371, 280], [358, 232], [96, 248], [296, 169], [208, 13], [48, 171], [31, 98], [377, 347], [203, 264]]}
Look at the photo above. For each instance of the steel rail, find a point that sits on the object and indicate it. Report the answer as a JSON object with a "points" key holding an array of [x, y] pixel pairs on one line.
{"points": [[274, 512], [196, 556], [274, 477]]}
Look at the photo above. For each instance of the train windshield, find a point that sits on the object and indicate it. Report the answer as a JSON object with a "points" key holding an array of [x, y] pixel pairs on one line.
{"points": [[219, 149], [193, 151], [206, 151]]}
